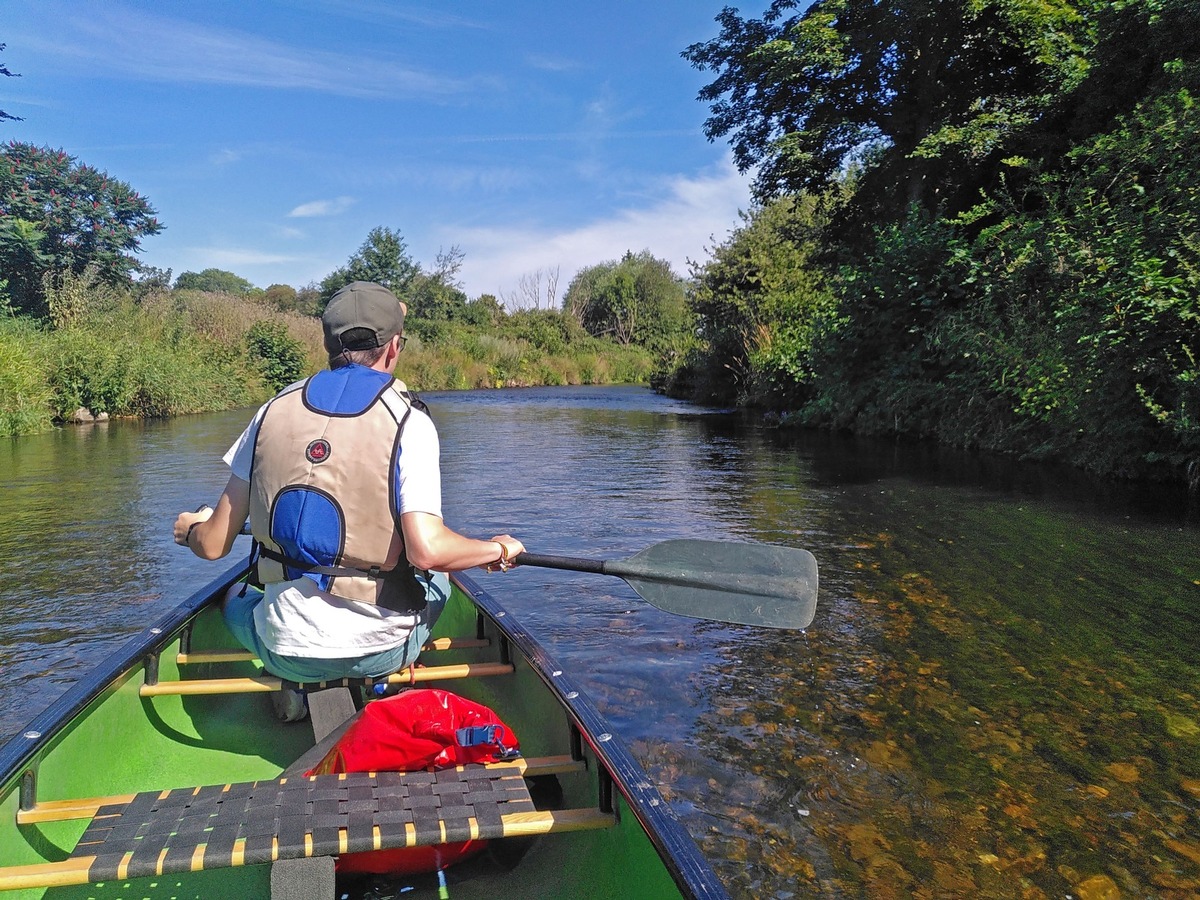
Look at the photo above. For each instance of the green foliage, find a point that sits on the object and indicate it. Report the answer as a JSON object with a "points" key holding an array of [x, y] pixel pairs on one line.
{"points": [[550, 330], [57, 216], [918, 92], [218, 281], [193, 351], [638, 300], [1017, 263], [759, 301], [279, 356], [151, 280], [383, 258], [1069, 330], [281, 296], [483, 311], [25, 395]]}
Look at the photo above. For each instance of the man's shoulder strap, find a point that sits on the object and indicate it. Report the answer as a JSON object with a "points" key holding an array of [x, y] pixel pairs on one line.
{"points": [[401, 401]]}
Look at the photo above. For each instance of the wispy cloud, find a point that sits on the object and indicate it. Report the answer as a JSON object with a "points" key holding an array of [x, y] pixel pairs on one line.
{"points": [[123, 42], [224, 257], [546, 63], [317, 208], [375, 11], [225, 157], [682, 225]]}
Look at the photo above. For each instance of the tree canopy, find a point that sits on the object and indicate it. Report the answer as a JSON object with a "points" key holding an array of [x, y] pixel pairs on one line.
{"points": [[60, 216], [218, 281], [382, 258], [1012, 258], [638, 300], [915, 93]]}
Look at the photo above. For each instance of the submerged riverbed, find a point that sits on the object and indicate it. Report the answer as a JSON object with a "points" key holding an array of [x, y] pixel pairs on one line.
{"points": [[998, 696]]}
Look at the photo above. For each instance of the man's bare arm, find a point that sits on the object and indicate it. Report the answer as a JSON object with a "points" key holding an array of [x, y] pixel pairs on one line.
{"points": [[215, 529], [430, 544]]}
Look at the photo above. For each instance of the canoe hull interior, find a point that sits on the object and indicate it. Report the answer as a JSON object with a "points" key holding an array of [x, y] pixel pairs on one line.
{"points": [[120, 742]]}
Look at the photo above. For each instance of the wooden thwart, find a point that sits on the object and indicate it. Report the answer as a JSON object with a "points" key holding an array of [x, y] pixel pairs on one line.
{"points": [[190, 829], [268, 683]]}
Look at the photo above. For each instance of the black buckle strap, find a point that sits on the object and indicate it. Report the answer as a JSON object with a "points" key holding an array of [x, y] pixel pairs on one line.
{"points": [[313, 569]]}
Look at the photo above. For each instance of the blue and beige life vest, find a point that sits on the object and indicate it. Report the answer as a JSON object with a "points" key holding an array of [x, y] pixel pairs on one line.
{"points": [[324, 494]]}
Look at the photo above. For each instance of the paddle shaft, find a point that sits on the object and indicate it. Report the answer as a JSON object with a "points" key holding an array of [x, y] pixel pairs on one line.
{"points": [[569, 563]]}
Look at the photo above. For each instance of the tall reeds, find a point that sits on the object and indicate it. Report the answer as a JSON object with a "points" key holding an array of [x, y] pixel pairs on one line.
{"points": [[180, 352]]}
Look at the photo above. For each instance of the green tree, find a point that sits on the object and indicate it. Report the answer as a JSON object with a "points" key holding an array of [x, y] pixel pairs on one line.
{"points": [[485, 311], [61, 217], [438, 295], [760, 303], [638, 300], [281, 296], [382, 258], [916, 93], [216, 281], [151, 280]]}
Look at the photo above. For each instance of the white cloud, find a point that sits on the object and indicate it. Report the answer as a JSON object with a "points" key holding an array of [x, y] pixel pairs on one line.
{"points": [[692, 213], [321, 208]]}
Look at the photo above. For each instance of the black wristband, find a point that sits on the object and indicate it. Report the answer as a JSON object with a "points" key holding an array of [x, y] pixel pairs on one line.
{"points": [[187, 538]]}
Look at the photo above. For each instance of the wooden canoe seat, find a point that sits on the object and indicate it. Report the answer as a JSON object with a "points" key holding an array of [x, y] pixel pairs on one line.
{"points": [[268, 683], [190, 829]]}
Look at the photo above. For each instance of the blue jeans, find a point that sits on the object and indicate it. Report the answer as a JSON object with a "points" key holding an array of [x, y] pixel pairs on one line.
{"points": [[239, 617]]}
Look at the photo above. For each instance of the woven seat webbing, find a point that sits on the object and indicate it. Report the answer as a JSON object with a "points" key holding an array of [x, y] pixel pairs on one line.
{"points": [[188, 829]]}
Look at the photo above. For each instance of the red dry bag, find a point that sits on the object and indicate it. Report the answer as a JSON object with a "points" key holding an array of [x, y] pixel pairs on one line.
{"points": [[411, 731]]}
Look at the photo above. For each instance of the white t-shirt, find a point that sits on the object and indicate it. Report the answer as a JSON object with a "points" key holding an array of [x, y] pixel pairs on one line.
{"points": [[298, 619]]}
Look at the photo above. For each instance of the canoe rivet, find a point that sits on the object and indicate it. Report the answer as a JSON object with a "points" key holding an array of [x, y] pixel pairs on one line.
{"points": [[556, 673], [604, 737], [33, 735], [500, 615], [573, 695], [156, 631]]}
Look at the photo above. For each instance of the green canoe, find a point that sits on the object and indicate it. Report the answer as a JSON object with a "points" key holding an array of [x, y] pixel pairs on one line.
{"points": [[163, 774]]}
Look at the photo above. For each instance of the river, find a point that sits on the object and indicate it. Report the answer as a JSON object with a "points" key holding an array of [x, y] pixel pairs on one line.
{"points": [[998, 696]]}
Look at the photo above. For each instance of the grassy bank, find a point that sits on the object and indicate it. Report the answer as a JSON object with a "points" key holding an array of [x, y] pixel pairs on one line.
{"points": [[186, 352]]}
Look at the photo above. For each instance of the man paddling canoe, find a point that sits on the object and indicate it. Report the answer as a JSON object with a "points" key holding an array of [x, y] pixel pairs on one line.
{"points": [[340, 478]]}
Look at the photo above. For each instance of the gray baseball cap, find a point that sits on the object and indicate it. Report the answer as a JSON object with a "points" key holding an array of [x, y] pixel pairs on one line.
{"points": [[361, 316]]}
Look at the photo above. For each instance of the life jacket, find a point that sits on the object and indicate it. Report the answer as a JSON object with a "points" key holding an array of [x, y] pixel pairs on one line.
{"points": [[324, 496]]}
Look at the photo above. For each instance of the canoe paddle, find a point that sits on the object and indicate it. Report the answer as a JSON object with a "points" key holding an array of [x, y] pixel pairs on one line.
{"points": [[723, 581], [746, 584]]}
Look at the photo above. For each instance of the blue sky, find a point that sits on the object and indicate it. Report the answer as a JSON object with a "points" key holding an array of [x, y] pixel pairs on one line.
{"points": [[272, 136]]}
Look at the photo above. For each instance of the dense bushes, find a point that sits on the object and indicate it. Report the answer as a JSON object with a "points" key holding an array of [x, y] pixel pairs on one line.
{"points": [[1053, 311]]}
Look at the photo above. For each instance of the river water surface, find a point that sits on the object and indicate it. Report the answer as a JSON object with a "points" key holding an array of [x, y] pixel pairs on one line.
{"points": [[998, 696]]}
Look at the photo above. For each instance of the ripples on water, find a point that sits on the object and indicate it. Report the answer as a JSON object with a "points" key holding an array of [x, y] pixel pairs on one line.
{"points": [[997, 697]]}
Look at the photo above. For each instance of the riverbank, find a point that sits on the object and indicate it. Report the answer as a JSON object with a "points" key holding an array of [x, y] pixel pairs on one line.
{"points": [[183, 352]]}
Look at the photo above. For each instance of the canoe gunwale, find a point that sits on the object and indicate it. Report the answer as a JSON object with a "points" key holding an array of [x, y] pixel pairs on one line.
{"points": [[19, 752], [682, 858], [691, 871]]}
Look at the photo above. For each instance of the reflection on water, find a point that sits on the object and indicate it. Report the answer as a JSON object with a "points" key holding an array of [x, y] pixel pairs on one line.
{"points": [[997, 697]]}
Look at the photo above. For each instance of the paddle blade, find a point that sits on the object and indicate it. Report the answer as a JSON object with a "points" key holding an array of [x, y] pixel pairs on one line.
{"points": [[747, 584]]}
